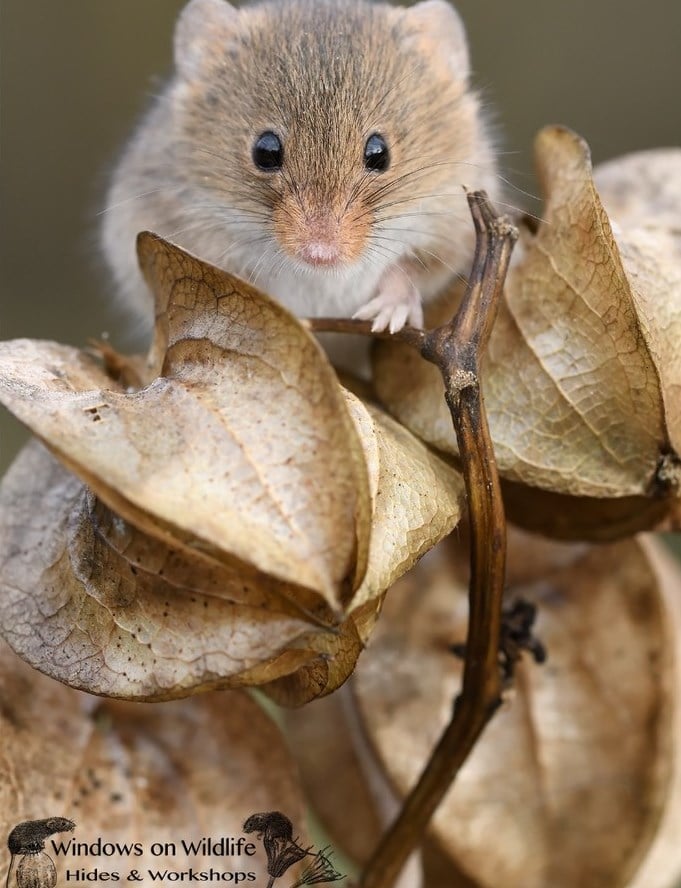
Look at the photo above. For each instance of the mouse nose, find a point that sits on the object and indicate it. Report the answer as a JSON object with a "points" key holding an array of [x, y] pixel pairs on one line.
{"points": [[320, 253], [323, 237], [319, 241]]}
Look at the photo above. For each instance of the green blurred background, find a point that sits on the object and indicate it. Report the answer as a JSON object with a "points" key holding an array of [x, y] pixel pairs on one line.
{"points": [[74, 76]]}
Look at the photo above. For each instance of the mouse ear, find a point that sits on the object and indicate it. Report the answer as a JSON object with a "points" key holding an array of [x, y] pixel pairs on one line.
{"points": [[439, 30], [202, 25]]}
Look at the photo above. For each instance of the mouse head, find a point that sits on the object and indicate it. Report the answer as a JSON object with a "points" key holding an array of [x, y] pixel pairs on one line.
{"points": [[332, 133]]}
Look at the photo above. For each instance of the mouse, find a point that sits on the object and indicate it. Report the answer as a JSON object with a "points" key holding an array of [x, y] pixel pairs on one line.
{"points": [[319, 149], [29, 837]]}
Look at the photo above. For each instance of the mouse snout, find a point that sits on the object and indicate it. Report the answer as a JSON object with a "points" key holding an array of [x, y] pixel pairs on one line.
{"points": [[320, 252], [321, 237]]}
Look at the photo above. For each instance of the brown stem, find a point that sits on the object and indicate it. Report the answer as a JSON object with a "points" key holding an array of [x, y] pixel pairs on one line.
{"points": [[456, 349], [411, 335]]}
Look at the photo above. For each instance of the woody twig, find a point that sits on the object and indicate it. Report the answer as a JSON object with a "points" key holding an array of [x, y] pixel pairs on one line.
{"points": [[457, 349]]}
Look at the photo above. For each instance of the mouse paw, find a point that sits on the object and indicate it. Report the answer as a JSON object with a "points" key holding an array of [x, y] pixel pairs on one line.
{"points": [[397, 302]]}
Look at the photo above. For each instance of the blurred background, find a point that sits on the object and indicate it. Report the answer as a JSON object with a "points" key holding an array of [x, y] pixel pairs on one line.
{"points": [[74, 77]]}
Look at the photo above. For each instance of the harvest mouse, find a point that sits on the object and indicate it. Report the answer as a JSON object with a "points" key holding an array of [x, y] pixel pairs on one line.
{"points": [[317, 148]]}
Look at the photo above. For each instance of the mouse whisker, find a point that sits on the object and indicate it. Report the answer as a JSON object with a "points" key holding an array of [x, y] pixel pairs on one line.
{"points": [[436, 256], [252, 275], [516, 209], [425, 168], [133, 197], [373, 258], [226, 215], [405, 249], [430, 238], [357, 190], [386, 251], [229, 214], [421, 214], [406, 177], [433, 195], [203, 225], [234, 247], [377, 197]]}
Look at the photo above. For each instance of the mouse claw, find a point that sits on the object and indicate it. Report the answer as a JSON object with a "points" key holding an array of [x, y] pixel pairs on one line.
{"points": [[367, 312], [399, 318], [397, 303]]}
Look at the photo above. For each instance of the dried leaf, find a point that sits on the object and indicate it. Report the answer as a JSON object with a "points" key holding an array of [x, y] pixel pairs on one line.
{"points": [[331, 658], [255, 512], [643, 190], [642, 194], [132, 773], [572, 351], [91, 601], [572, 774], [188, 455], [74, 608], [415, 498], [208, 321], [583, 376]]}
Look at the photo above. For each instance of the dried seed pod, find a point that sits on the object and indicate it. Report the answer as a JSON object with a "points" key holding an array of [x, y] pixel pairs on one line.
{"points": [[583, 372], [36, 870], [139, 774], [200, 512], [554, 775]]}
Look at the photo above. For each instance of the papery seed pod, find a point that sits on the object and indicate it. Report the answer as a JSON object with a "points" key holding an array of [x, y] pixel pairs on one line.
{"points": [[36, 870]]}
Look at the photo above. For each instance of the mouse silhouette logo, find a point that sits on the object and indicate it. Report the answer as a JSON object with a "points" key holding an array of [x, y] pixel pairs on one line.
{"points": [[275, 831], [35, 868]]}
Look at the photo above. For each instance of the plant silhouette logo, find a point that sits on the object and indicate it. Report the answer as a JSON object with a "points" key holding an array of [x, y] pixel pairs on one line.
{"points": [[35, 868], [275, 831]]}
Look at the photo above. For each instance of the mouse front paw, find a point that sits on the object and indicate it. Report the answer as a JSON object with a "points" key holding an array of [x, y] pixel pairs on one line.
{"points": [[397, 302]]}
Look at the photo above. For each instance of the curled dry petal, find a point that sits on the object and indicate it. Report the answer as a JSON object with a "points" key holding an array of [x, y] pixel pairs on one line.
{"points": [[582, 382], [188, 455], [138, 773], [237, 348], [573, 774], [240, 524], [77, 609], [642, 195], [415, 499], [643, 190]]}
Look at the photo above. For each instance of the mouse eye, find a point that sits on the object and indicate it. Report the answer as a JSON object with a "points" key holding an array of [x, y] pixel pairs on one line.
{"points": [[268, 152], [376, 154]]}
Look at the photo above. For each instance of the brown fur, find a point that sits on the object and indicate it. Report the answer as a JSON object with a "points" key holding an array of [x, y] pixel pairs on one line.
{"points": [[323, 75]]}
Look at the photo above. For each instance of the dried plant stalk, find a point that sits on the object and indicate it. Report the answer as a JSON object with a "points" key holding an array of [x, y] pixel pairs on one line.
{"points": [[456, 349]]}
